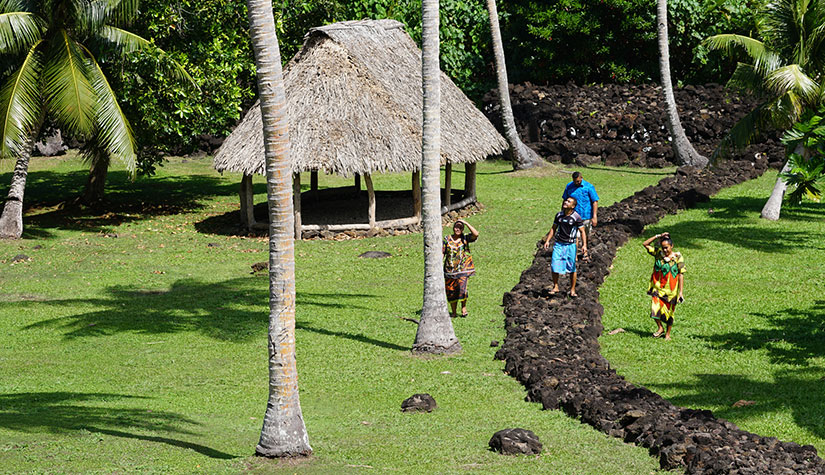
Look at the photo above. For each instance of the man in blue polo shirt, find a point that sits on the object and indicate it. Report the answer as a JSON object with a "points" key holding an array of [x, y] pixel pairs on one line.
{"points": [[587, 201]]}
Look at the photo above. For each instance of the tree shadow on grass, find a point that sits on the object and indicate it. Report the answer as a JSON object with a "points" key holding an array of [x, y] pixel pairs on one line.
{"points": [[63, 412], [234, 310], [794, 336], [49, 200], [721, 225], [797, 391]]}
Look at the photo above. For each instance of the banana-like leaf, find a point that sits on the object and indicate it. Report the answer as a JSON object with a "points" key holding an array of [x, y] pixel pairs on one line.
{"points": [[112, 130], [792, 78], [18, 31], [127, 42], [22, 106], [763, 59], [69, 95]]}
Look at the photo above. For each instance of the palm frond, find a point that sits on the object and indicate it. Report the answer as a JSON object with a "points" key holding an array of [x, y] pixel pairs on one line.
{"points": [[122, 12], [68, 93], [779, 24], [746, 79], [792, 78], [127, 42], [21, 103], [113, 131], [90, 15], [763, 59], [18, 31], [9, 6], [744, 132]]}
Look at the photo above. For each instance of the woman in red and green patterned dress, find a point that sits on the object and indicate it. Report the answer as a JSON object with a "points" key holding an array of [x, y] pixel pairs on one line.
{"points": [[458, 265], [666, 284]]}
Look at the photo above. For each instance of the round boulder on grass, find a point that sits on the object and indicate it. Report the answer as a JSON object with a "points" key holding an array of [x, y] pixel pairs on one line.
{"points": [[515, 442], [419, 403]]}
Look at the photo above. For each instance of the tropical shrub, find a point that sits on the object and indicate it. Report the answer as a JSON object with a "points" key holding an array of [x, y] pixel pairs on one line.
{"points": [[806, 176]]}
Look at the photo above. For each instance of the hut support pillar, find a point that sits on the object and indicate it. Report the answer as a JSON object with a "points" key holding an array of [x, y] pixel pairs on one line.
{"points": [[247, 203], [357, 187], [313, 181], [416, 194], [296, 203], [371, 195], [470, 181], [448, 185]]}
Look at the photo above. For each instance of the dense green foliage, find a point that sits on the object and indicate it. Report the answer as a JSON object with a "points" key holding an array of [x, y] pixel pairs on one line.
{"points": [[146, 352], [615, 40]]}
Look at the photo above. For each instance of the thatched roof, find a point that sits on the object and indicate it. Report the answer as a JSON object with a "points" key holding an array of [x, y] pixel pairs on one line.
{"points": [[354, 106]]}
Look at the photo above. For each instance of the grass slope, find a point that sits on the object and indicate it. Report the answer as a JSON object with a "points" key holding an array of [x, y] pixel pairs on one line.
{"points": [[147, 351], [753, 321]]}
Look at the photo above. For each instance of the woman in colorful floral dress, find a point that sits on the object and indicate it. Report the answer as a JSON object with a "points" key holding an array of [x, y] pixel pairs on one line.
{"points": [[458, 265], [666, 283]]}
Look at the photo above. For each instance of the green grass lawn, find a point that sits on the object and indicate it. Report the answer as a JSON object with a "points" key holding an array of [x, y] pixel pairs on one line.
{"points": [[147, 351], [753, 323]]}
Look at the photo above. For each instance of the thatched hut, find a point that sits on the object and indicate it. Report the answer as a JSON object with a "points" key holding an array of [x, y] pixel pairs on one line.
{"points": [[354, 108]]}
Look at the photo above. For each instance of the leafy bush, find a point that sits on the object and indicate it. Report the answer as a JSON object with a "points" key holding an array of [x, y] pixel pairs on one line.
{"points": [[807, 174], [615, 40]]}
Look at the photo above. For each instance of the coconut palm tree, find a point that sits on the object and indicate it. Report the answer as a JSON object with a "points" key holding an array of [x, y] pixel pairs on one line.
{"points": [[283, 433], [682, 148], [435, 330], [522, 156], [57, 44], [785, 71]]}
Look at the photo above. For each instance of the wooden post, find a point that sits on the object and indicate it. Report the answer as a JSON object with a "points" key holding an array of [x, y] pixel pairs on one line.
{"points": [[313, 181], [371, 195], [448, 185], [416, 193], [296, 203], [247, 203], [470, 180], [357, 183]]}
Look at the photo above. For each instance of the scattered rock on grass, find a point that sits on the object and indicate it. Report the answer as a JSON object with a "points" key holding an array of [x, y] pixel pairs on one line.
{"points": [[375, 255], [419, 403], [259, 266], [20, 258], [515, 442]]}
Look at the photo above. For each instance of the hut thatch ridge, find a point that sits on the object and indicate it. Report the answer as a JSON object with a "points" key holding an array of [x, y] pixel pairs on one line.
{"points": [[354, 107]]}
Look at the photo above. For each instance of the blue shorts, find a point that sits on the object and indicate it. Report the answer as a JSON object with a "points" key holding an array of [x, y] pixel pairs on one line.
{"points": [[564, 258]]}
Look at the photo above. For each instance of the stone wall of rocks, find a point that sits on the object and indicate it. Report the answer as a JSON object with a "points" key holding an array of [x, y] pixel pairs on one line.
{"points": [[552, 348], [623, 124]]}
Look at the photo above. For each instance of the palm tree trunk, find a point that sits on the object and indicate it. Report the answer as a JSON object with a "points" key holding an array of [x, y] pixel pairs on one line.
{"points": [[435, 331], [521, 155], [96, 183], [682, 148], [284, 433], [11, 221], [773, 206]]}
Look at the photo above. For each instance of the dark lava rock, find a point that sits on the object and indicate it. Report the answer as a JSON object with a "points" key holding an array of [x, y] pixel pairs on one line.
{"points": [[259, 266], [37, 247], [375, 255], [213, 244], [20, 258], [419, 403], [515, 442], [494, 343]]}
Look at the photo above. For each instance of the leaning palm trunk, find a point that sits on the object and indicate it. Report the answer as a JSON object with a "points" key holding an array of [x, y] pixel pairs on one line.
{"points": [[435, 331], [521, 155], [11, 221], [284, 433], [773, 206], [682, 148]]}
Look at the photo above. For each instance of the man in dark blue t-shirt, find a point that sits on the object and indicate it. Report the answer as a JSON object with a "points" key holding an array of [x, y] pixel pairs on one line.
{"points": [[567, 226]]}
